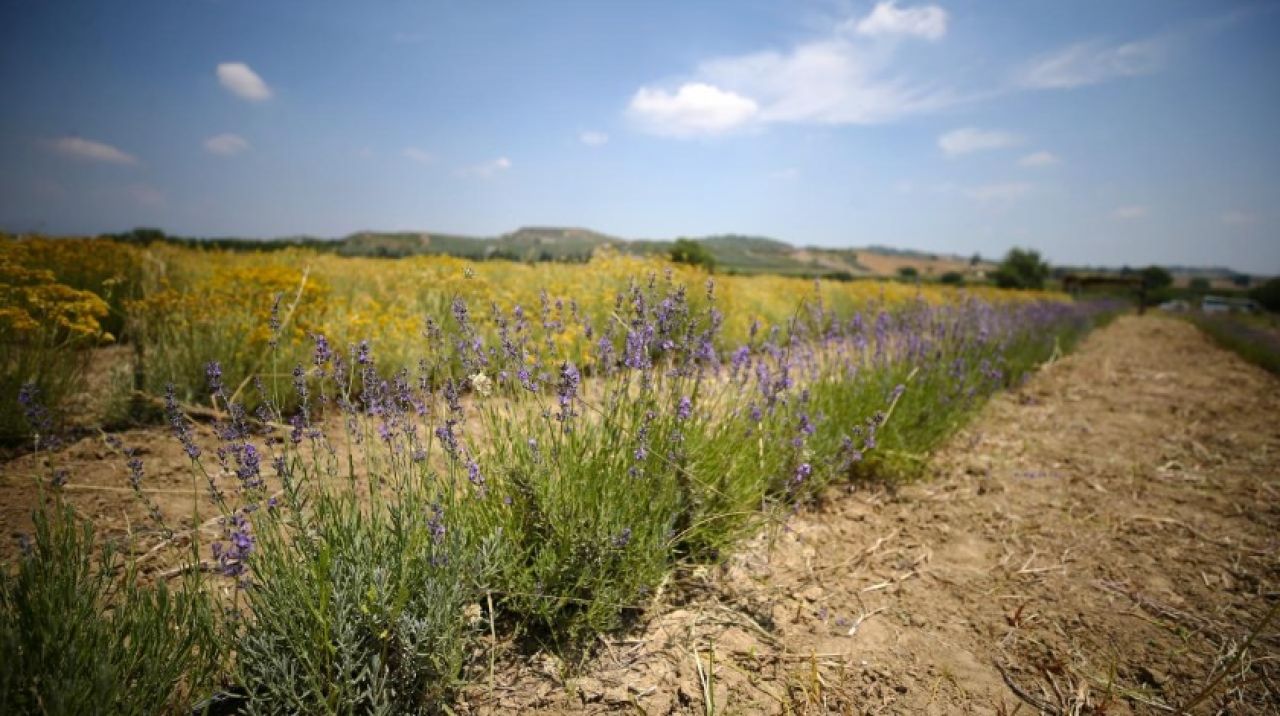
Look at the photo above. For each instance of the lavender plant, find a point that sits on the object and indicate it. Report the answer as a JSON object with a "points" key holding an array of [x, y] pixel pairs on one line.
{"points": [[80, 634], [374, 521]]}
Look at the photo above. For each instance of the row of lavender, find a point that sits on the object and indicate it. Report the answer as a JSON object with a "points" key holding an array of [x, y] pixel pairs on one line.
{"points": [[381, 523]]}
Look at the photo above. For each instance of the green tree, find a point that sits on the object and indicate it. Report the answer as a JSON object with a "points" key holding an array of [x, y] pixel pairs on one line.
{"points": [[1155, 278], [954, 278], [688, 251], [1021, 268], [908, 272], [1199, 284], [1268, 294]]}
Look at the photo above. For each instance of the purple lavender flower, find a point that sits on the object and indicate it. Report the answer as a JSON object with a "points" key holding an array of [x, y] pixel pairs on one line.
{"points": [[636, 355], [178, 421], [135, 472], [249, 466], [323, 352], [213, 373], [567, 390], [806, 425], [435, 524], [233, 555], [447, 438], [273, 322], [38, 417], [684, 409], [473, 473], [459, 308]]}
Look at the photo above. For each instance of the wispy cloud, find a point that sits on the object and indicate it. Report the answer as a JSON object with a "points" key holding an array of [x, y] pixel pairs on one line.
{"points": [[1092, 62], [927, 21], [89, 150], [968, 140], [593, 139], [1130, 212], [240, 79], [487, 169], [1008, 191], [418, 155], [1039, 159], [843, 77], [226, 144]]}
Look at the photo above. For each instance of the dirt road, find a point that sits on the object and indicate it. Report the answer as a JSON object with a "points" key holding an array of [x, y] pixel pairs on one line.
{"points": [[1102, 540]]}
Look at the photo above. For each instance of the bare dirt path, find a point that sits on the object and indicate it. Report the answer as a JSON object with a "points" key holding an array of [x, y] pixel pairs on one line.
{"points": [[1102, 540]]}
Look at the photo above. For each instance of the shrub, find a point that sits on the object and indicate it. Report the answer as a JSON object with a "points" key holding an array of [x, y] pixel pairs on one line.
{"points": [[1155, 278], [81, 635], [1267, 294], [1021, 269], [688, 251], [45, 329]]}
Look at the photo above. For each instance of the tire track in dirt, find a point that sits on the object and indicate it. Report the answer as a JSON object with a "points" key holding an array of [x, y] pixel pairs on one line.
{"points": [[1100, 540]]}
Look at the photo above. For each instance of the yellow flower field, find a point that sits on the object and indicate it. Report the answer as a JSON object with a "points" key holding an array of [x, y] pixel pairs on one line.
{"points": [[181, 307]]}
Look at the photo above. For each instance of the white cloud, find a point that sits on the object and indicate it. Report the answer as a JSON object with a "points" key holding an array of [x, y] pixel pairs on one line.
{"points": [[1088, 63], [968, 140], [593, 139], [1130, 211], [841, 78], [418, 155], [695, 108], [81, 148], [242, 81], [1236, 217], [999, 192], [1040, 159], [927, 21], [226, 144], [487, 169]]}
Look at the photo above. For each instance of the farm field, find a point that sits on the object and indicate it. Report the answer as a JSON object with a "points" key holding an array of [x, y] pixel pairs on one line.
{"points": [[1101, 539], [335, 480], [664, 358]]}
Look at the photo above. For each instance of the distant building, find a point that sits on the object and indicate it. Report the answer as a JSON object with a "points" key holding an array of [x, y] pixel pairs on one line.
{"points": [[1228, 304]]}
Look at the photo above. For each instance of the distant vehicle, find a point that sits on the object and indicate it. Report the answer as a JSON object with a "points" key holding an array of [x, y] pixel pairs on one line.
{"points": [[1226, 304], [1177, 305]]}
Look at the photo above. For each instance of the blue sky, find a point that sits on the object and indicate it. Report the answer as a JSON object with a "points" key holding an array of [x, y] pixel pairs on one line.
{"points": [[1096, 132]]}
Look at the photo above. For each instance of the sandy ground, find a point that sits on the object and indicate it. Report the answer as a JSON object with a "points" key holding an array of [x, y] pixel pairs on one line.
{"points": [[1103, 540]]}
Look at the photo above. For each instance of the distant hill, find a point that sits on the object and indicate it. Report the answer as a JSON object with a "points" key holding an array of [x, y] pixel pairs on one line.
{"points": [[733, 253], [526, 244]]}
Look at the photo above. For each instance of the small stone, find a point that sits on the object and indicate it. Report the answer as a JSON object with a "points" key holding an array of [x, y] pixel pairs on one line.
{"points": [[813, 593]]}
